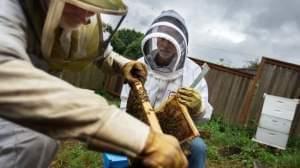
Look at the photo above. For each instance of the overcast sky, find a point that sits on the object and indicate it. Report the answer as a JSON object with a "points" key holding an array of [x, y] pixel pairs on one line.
{"points": [[235, 31]]}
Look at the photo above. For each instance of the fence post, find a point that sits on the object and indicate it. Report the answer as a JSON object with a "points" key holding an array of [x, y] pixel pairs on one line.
{"points": [[245, 110]]}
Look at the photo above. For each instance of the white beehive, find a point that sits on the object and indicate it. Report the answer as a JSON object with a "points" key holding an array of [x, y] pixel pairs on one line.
{"points": [[276, 121]]}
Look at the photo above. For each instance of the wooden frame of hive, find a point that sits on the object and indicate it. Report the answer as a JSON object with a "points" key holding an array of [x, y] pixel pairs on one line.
{"points": [[171, 117]]}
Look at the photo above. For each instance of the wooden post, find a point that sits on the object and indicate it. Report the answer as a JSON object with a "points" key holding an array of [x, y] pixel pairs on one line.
{"points": [[244, 114]]}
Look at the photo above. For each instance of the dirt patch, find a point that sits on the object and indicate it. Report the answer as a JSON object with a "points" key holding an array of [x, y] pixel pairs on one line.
{"points": [[229, 151], [225, 164]]}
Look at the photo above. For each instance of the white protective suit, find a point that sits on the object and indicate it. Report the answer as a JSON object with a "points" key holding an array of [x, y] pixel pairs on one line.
{"points": [[181, 72]]}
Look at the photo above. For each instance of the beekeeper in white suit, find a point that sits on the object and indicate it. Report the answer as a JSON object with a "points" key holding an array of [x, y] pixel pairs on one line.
{"points": [[55, 35], [165, 48]]}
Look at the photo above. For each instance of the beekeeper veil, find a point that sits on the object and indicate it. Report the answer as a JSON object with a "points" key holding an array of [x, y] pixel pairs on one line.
{"points": [[167, 29], [73, 48]]}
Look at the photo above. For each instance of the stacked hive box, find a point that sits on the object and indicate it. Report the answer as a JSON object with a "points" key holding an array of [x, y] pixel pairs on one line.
{"points": [[276, 121]]}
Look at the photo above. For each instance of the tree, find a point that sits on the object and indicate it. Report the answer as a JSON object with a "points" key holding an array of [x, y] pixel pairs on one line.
{"points": [[133, 51], [127, 42], [254, 64]]}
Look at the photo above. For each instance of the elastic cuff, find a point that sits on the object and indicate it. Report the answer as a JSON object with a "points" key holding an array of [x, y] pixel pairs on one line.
{"points": [[121, 60], [124, 132]]}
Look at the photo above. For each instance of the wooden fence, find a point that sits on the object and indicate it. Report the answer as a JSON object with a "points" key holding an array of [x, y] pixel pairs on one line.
{"points": [[237, 96], [90, 78], [94, 79], [227, 89]]}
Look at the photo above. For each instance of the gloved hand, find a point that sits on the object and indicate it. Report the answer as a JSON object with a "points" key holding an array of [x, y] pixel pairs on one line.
{"points": [[134, 70], [163, 151], [190, 98]]}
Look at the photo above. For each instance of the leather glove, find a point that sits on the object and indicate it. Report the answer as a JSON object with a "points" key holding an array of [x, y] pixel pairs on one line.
{"points": [[133, 71], [190, 98], [163, 151]]}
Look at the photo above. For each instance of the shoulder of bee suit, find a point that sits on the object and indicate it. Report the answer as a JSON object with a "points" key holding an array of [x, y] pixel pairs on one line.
{"points": [[13, 27]]}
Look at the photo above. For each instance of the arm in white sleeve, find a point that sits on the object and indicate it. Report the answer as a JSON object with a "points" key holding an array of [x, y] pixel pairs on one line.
{"points": [[47, 104], [111, 61]]}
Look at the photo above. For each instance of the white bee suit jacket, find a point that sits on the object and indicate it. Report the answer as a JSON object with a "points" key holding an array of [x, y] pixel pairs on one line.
{"points": [[159, 87]]}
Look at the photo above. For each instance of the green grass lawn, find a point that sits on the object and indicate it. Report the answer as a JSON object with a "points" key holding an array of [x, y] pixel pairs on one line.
{"points": [[228, 147], [73, 154]]}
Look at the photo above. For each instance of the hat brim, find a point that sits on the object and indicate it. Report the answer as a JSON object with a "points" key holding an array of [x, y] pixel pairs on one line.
{"points": [[118, 8]]}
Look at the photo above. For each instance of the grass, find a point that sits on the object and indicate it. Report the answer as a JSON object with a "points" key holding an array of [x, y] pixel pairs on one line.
{"points": [[73, 154], [229, 146]]}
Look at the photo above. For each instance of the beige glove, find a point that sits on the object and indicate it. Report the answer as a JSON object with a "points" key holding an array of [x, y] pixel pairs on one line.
{"points": [[191, 99], [163, 151], [133, 71]]}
